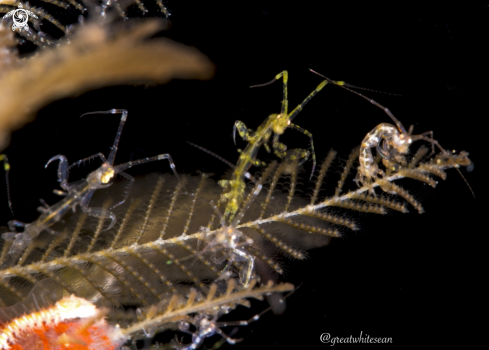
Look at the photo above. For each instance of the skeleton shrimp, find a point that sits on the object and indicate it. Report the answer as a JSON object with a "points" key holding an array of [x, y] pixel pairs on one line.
{"points": [[228, 237], [78, 193], [206, 325], [392, 143], [275, 124], [233, 240]]}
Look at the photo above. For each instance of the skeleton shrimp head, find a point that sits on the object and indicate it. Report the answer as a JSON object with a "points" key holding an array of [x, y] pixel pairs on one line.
{"points": [[400, 142], [101, 176], [230, 238], [280, 123]]}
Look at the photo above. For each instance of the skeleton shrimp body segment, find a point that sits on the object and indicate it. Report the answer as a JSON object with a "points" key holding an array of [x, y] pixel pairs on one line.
{"points": [[275, 125], [78, 193], [246, 159]]}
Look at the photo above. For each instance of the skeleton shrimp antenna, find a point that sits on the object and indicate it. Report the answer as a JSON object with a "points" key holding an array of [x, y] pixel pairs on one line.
{"points": [[225, 161], [228, 163], [265, 84], [119, 131], [347, 86], [354, 86]]}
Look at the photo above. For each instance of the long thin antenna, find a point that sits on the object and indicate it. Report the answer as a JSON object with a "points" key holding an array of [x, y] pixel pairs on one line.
{"points": [[344, 85], [256, 191], [463, 177], [228, 163], [266, 84], [225, 161]]}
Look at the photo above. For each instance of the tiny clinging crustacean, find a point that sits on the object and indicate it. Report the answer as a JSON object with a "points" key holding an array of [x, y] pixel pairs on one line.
{"points": [[392, 143], [206, 325], [77, 194], [274, 125], [228, 238]]}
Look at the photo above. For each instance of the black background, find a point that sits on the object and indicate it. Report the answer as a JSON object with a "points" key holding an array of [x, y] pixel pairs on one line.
{"points": [[408, 276]]}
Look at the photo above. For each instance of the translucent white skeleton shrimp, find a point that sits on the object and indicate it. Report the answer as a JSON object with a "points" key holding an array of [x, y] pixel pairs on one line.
{"points": [[206, 326], [78, 193], [391, 143], [229, 238]]}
